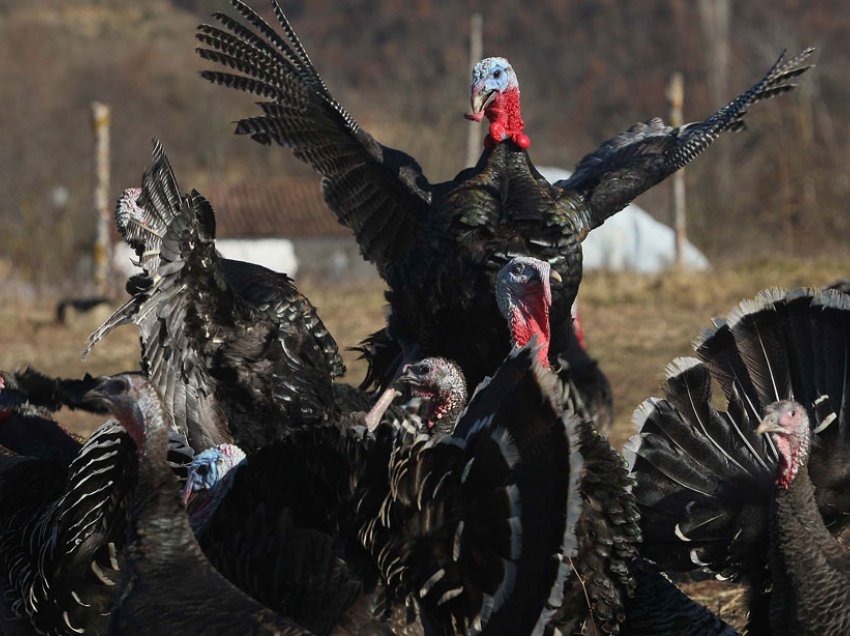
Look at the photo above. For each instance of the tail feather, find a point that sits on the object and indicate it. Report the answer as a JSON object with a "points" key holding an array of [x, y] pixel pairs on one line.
{"points": [[831, 344], [705, 478]]}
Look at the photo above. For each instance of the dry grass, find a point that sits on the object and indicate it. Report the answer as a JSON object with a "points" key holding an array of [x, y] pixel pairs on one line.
{"points": [[634, 325]]}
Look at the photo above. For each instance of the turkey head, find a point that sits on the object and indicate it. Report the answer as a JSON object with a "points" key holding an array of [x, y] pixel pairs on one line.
{"points": [[524, 296], [209, 467], [495, 95], [788, 426], [441, 387]]}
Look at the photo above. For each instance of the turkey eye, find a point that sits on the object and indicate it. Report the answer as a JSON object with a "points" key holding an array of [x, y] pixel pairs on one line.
{"points": [[497, 74], [203, 469], [424, 369], [516, 269]]}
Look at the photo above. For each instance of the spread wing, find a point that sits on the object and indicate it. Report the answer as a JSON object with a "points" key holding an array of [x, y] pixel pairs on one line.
{"points": [[209, 325], [378, 192], [635, 160]]}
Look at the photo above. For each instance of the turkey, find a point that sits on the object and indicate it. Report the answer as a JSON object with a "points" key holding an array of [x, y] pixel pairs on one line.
{"points": [[160, 545], [232, 513], [334, 479], [438, 246], [237, 353], [62, 508], [466, 538], [705, 477]]}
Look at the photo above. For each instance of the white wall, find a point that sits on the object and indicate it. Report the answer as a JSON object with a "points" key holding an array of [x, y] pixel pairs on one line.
{"points": [[276, 254]]}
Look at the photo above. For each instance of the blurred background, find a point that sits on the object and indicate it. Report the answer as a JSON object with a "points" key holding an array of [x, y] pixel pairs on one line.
{"points": [[587, 70], [766, 207]]}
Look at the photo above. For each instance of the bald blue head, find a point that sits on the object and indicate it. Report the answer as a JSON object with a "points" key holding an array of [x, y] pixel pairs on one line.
{"points": [[210, 466]]}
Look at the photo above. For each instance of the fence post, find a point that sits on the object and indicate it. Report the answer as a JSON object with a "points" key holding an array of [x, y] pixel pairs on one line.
{"points": [[476, 52], [102, 244], [676, 95]]}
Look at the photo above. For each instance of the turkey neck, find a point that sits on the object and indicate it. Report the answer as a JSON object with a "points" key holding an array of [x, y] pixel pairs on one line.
{"points": [[530, 320], [802, 545], [507, 112], [156, 510]]}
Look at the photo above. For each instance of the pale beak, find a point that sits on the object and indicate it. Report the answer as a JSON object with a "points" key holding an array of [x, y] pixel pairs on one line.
{"points": [[479, 102], [769, 425], [407, 376], [555, 276]]}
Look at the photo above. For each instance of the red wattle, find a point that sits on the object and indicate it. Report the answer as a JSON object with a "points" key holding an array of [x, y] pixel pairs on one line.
{"points": [[521, 140], [530, 322], [506, 119], [497, 132]]}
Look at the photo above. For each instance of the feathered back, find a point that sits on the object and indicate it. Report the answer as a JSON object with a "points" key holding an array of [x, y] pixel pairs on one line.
{"points": [[705, 478]]}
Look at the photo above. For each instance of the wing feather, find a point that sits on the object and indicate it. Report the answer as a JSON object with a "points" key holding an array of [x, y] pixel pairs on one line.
{"points": [[301, 114]]}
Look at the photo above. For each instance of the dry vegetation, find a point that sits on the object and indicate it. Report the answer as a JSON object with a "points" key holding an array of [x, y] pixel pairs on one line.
{"points": [[587, 70], [634, 325]]}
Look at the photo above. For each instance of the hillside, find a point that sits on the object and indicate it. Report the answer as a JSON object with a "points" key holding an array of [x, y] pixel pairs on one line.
{"points": [[587, 70]]}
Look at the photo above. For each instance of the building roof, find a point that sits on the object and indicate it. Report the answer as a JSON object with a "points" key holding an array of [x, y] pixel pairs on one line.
{"points": [[288, 207]]}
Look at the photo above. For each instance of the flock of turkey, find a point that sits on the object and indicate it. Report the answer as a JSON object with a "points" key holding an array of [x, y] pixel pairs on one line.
{"points": [[468, 486]]}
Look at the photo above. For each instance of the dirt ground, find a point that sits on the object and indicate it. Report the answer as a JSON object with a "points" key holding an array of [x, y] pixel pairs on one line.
{"points": [[634, 325]]}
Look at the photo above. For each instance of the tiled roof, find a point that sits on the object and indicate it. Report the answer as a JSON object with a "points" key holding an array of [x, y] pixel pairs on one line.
{"points": [[289, 207]]}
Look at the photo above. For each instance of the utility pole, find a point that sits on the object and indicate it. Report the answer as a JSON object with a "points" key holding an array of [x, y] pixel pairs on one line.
{"points": [[676, 95], [102, 245], [716, 18], [476, 52]]}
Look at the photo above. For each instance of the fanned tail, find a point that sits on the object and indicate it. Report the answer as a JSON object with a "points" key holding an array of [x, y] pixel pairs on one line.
{"points": [[63, 523], [704, 476]]}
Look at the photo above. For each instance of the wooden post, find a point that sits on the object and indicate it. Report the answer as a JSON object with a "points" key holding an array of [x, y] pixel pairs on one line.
{"points": [[102, 244], [476, 52], [716, 20], [676, 95]]}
